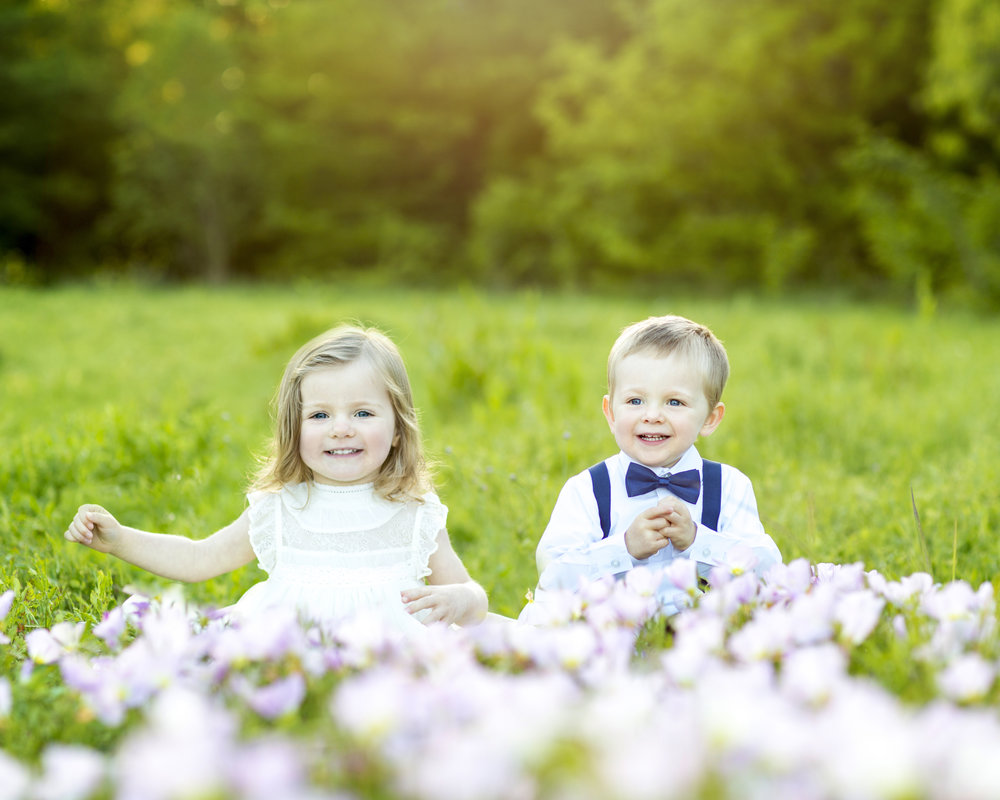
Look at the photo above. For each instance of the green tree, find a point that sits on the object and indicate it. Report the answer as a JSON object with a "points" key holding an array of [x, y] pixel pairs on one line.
{"points": [[930, 215], [57, 82], [186, 192], [707, 145], [384, 120]]}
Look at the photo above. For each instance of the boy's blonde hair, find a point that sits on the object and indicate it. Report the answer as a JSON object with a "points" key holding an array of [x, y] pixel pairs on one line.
{"points": [[670, 334], [404, 474]]}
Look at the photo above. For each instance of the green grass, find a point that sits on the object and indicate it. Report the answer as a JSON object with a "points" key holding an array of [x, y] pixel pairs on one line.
{"points": [[155, 404]]}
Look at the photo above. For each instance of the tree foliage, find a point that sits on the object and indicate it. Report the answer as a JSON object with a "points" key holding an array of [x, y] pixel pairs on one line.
{"points": [[761, 143]]}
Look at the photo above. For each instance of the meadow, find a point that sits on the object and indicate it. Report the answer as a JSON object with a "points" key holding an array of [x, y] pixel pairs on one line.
{"points": [[868, 431]]}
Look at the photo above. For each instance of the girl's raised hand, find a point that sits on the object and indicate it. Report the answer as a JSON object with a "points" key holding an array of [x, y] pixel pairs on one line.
{"points": [[95, 527]]}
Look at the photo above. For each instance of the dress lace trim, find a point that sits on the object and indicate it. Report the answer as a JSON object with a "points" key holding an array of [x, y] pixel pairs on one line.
{"points": [[334, 530]]}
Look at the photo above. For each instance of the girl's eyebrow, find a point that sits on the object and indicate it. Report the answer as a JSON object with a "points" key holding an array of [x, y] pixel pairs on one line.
{"points": [[353, 404]]}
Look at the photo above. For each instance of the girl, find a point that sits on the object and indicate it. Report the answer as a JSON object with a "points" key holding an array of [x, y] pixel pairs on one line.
{"points": [[341, 516]]}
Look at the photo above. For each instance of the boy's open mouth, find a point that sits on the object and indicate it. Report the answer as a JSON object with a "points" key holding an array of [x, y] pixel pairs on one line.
{"points": [[653, 437]]}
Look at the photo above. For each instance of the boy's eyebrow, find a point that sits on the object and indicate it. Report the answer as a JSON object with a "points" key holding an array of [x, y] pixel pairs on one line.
{"points": [[643, 390]]}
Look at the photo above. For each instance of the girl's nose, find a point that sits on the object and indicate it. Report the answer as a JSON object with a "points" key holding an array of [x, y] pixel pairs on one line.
{"points": [[342, 426]]}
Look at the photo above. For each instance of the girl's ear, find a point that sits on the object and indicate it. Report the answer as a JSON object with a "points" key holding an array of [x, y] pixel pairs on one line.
{"points": [[714, 418]]}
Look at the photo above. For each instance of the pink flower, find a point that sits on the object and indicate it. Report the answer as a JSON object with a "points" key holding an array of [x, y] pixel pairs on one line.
{"points": [[682, 573], [786, 581], [846, 577], [269, 769], [741, 559], [858, 613], [901, 592], [69, 772], [812, 615], [952, 602], [967, 678], [46, 646], [811, 674], [765, 637], [573, 645], [14, 778], [278, 698], [111, 628], [183, 751], [6, 698], [6, 600]]}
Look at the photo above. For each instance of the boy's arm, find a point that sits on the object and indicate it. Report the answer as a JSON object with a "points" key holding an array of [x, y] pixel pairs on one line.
{"points": [[741, 541], [571, 548]]}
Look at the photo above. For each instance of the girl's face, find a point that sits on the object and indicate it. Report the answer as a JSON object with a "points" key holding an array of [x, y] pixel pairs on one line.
{"points": [[348, 423]]}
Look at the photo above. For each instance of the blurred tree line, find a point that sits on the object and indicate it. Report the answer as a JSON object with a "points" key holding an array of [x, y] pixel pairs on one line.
{"points": [[759, 143]]}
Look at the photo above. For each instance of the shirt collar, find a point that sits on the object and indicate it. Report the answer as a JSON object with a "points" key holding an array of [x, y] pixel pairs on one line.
{"points": [[690, 460]]}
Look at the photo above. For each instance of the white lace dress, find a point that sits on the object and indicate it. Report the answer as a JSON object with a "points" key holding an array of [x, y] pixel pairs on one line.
{"points": [[337, 551]]}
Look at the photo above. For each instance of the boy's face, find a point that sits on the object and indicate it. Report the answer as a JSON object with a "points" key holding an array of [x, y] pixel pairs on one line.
{"points": [[659, 407]]}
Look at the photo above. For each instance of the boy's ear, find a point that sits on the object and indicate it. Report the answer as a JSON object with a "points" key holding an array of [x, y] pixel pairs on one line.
{"points": [[714, 418], [609, 415]]}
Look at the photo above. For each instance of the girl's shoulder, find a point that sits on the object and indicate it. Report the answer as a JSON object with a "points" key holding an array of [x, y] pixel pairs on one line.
{"points": [[433, 511]]}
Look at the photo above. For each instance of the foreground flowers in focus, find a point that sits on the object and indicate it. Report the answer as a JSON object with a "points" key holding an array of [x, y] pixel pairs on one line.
{"points": [[789, 687]]}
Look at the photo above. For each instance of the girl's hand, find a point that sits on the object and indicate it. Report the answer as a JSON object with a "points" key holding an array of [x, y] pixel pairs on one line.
{"points": [[451, 603], [94, 527]]}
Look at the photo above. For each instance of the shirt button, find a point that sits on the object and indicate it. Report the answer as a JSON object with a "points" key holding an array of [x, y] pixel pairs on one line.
{"points": [[705, 551], [616, 563]]}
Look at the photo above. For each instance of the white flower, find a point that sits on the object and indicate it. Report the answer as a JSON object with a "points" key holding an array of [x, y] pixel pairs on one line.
{"points": [[14, 778], [968, 677], [858, 613], [6, 697], [812, 674], [69, 772]]}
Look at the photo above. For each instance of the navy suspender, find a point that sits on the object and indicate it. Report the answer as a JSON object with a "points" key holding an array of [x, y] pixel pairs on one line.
{"points": [[711, 488], [602, 493], [711, 498]]}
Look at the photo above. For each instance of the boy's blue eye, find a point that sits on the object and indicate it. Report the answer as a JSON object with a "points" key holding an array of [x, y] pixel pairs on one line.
{"points": [[634, 401], [674, 402]]}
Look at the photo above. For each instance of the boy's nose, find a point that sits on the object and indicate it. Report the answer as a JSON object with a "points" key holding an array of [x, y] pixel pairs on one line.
{"points": [[654, 413]]}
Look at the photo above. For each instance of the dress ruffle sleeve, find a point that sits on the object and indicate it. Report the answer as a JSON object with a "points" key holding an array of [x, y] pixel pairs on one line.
{"points": [[263, 535], [432, 515]]}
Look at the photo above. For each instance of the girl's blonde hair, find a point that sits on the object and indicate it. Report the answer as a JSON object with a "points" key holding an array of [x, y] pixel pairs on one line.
{"points": [[404, 474]]}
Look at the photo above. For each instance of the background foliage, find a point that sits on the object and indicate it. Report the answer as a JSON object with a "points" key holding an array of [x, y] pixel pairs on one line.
{"points": [[759, 143]]}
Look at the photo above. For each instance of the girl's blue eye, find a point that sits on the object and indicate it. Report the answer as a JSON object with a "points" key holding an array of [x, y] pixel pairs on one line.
{"points": [[319, 415], [364, 414]]}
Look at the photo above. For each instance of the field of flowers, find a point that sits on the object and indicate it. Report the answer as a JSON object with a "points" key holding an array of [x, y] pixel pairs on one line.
{"points": [[761, 693], [864, 667]]}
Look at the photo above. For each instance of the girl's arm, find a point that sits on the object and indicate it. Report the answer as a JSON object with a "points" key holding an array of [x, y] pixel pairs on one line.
{"points": [[451, 596], [175, 557]]}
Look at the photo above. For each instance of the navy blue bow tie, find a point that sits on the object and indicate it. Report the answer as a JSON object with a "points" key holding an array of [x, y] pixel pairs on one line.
{"points": [[686, 485]]}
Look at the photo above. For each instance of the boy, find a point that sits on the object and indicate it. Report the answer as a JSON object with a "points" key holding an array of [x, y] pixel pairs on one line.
{"points": [[665, 381]]}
